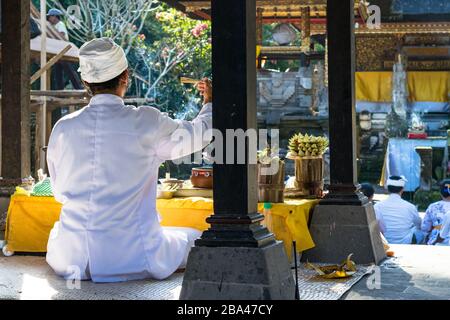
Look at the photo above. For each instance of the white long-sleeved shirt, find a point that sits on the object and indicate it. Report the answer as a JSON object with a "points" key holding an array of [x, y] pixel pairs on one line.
{"points": [[103, 162], [398, 219], [61, 27]]}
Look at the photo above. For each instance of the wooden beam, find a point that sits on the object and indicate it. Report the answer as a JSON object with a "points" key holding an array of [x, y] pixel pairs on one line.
{"points": [[306, 29], [49, 64], [202, 14], [15, 113], [38, 144], [45, 80], [48, 122], [259, 26], [60, 93]]}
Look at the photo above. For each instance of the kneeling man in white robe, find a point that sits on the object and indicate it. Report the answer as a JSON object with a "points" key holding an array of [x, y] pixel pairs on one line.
{"points": [[103, 162], [398, 219]]}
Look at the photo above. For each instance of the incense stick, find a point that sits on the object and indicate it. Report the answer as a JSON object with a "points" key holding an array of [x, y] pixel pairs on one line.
{"points": [[186, 80]]}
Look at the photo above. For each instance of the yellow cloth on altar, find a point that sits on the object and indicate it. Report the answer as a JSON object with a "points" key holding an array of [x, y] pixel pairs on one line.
{"points": [[30, 220], [373, 86], [426, 86]]}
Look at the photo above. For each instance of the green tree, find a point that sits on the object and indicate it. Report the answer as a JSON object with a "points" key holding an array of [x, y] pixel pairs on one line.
{"points": [[161, 44], [172, 32]]}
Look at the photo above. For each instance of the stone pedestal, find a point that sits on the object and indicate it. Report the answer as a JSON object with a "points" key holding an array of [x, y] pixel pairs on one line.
{"points": [[237, 273], [339, 230]]}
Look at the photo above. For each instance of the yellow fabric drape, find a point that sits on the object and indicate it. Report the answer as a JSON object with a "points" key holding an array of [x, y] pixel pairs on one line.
{"points": [[30, 220], [258, 52], [374, 86], [428, 86], [422, 85]]}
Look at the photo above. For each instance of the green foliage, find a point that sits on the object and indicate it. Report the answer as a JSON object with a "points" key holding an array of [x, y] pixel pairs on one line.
{"points": [[169, 28], [424, 198], [161, 45], [396, 126]]}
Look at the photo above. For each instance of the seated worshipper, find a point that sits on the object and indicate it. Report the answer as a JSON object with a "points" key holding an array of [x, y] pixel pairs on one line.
{"points": [[398, 219], [443, 238], [368, 190], [434, 216], [103, 162]]}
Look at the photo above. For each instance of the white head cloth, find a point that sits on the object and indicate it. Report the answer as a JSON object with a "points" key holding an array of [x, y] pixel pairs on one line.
{"points": [[397, 183], [101, 60]]}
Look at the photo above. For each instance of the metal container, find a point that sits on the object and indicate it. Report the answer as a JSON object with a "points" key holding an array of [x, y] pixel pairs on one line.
{"points": [[202, 178]]}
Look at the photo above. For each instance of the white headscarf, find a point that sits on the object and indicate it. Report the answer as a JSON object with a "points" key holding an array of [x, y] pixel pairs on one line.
{"points": [[101, 60], [397, 183]]}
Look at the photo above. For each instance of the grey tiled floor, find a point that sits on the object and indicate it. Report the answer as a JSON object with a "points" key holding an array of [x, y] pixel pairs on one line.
{"points": [[416, 273], [29, 277]]}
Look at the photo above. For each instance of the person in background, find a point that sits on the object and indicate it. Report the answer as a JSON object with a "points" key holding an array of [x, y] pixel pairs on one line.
{"points": [[368, 190], [54, 17], [434, 216], [444, 235], [399, 220]]}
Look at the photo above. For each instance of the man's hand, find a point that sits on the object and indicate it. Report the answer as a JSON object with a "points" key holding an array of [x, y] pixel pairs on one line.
{"points": [[205, 88]]}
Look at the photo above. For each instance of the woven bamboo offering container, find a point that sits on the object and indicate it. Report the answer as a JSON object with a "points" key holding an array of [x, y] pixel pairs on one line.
{"points": [[309, 176], [307, 152], [271, 187]]}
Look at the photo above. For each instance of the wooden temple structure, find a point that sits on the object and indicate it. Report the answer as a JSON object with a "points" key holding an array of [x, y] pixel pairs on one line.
{"points": [[418, 30]]}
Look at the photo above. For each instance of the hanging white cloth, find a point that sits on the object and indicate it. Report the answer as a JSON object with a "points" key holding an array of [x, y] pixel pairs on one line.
{"points": [[103, 162]]}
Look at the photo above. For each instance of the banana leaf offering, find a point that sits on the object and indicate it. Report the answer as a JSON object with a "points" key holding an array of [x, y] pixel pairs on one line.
{"points": [[344, 270]]}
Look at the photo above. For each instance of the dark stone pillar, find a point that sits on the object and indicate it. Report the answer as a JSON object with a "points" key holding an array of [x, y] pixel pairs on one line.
{"points": [[15, 109], [236, 258], [234, 74], [344, 222], [15, 113], [344, 186]]}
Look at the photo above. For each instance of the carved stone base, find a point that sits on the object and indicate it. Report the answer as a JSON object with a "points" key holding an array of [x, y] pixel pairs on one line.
{"points": [[230, 273], [339, 230]]}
